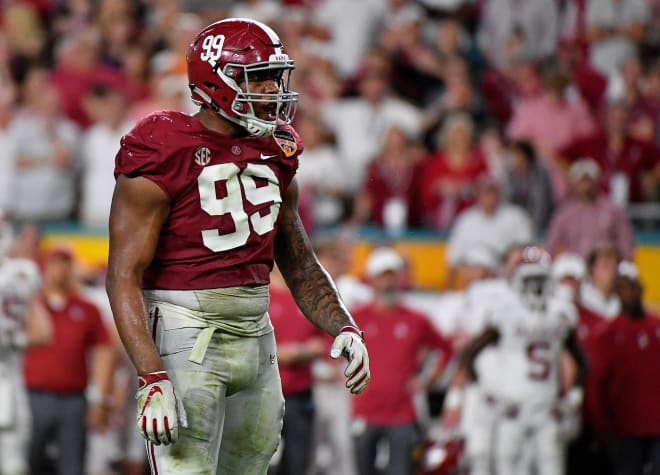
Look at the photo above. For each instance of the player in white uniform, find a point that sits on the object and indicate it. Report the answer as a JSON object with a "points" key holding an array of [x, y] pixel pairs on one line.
{"points": [[528, 329], [23, 323]]}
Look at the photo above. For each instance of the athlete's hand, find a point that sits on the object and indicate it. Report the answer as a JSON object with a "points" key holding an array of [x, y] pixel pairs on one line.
{"points": [[159, 411], [350, 343]]}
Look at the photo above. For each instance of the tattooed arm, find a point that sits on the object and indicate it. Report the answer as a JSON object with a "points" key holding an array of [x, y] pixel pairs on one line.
{"points": [[310, 285], [315, 293]]}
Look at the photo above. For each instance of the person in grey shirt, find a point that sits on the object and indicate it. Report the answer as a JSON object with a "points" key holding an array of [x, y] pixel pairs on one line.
{"points": [[45, 144]]}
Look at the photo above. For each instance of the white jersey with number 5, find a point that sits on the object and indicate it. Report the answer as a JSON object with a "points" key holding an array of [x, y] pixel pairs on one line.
{"points": [[529, 346]]}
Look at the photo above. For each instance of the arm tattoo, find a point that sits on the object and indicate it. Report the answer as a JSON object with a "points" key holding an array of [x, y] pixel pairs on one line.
{"points": [[310, 285]]}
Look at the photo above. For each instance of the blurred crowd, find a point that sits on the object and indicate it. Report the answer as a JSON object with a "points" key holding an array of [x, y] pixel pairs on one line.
{"points": [[497, 122], [404, 103]]}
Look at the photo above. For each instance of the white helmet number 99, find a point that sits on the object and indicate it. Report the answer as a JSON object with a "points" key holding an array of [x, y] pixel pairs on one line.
{"points": [[212, 46]]}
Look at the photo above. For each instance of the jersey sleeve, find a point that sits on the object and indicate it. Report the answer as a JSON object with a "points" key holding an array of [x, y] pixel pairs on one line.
{"points": [[148, 150]]}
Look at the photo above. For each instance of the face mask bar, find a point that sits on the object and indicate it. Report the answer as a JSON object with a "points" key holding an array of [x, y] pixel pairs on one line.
{"points": [[533, 287], [285, 100]]}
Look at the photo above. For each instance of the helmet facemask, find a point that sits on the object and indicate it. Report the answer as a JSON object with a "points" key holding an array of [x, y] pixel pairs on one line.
{"points": [[532, 282], [284, 103]]}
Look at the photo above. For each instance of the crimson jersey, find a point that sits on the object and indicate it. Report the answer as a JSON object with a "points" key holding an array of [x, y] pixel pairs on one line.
{"points": [[225, 198], [625, 377], [397, 338], [291, 327]]}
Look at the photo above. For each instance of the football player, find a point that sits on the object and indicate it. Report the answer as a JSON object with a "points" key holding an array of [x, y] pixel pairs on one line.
{"points": [[529, 330], [203, 205], [23, 323]]}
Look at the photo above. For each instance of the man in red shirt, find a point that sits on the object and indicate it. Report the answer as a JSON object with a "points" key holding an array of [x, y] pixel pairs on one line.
{"points": [[299, 343], [203, 206], [630, 167], [401, 338], [57, 375], [626, 375]]}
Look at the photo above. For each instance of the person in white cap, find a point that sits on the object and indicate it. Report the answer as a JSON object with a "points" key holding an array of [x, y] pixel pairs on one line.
{"points": [[626, 377], [385, 410]]}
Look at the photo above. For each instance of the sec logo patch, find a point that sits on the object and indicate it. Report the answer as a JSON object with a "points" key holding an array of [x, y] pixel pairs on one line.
{"points": [[202, 156]]}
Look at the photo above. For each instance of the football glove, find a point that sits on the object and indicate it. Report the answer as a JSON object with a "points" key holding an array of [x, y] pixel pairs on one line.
{"points": [[568, 413], [350, 344], [159, 411]]}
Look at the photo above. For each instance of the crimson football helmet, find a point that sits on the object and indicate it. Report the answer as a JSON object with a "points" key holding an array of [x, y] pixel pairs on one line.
{"points": [[224, 57], [531, 277]]}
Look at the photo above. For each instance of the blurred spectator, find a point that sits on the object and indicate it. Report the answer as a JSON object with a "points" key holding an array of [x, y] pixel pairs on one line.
{"points": [[494, 151], [386, 197], [651, 86], [70, 16], [57, 374], [598, 291], [23, 324], [457, 94], [586, 454], [449, 174], [107, 106], [349, 28], [25, 35], [416, 66], [171, 59], [629, 88], [630, 167], [551, 121], [166, 91], [590, 83], [569, 272], [451, 38], [118, 27], [490, 223], [46, 144], [627, 378], [450, 312], [117, 446], [77, 68], [527, 184], [7, 144], [589, 217], [360, 123], [400, 338], [321, 178], [502, 88], [136, 70], [613, 27], [334, 451], [299, 343], [532, 23], [265, 11]]}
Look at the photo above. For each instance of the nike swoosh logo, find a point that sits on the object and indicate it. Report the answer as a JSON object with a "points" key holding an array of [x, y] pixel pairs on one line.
{"points": [[266, 157]]}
